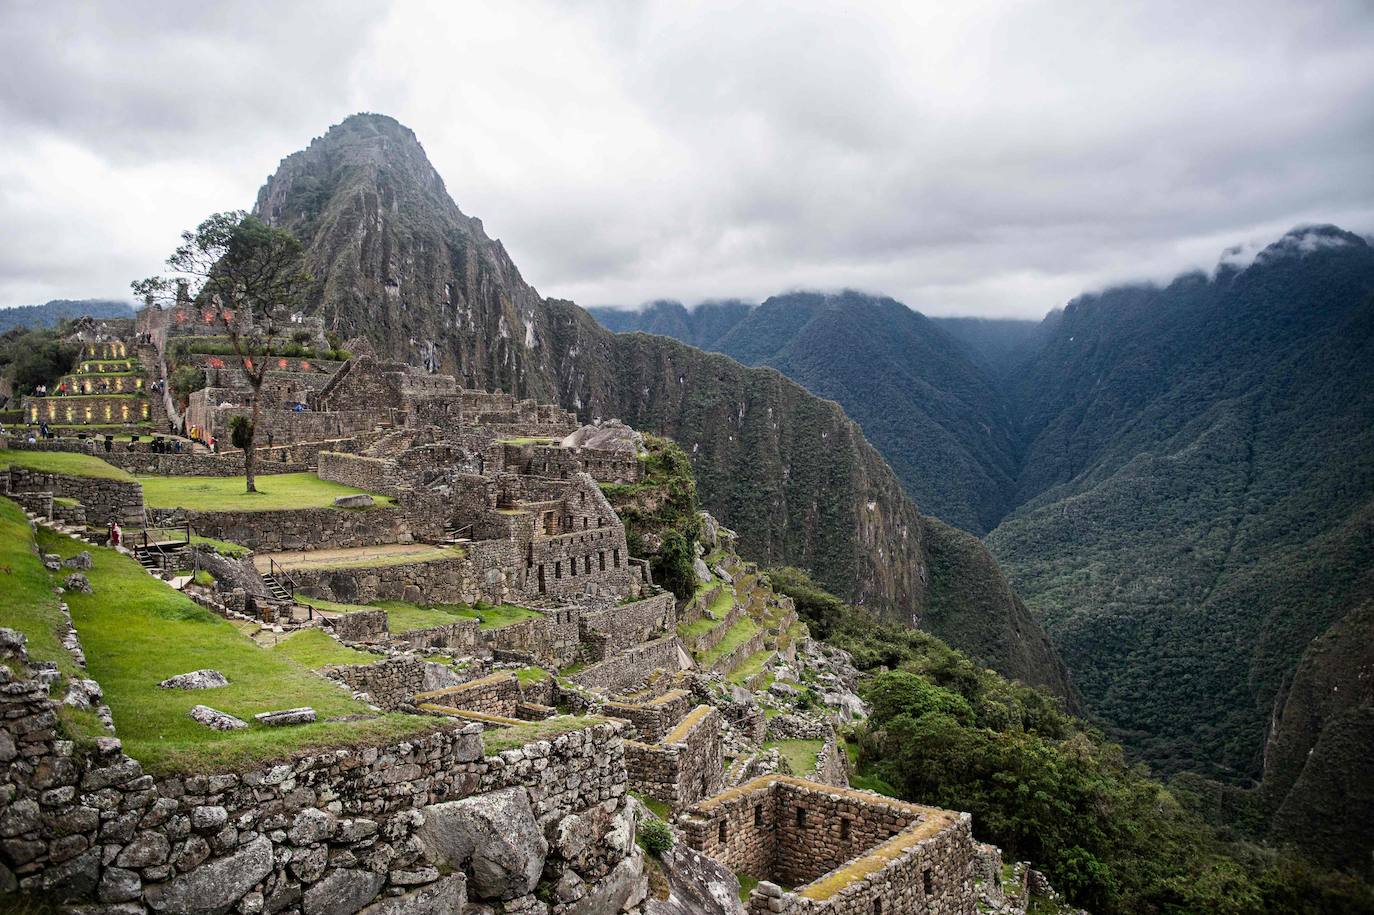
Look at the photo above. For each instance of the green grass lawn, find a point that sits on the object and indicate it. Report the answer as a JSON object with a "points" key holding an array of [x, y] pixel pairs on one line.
{"points": [[743, 630], [275, 492], [800, 754], [530, 675], [314, 648], [65, 462], [402, 616], [137, 631], [223, 547], [747, 882], [529, 440]]}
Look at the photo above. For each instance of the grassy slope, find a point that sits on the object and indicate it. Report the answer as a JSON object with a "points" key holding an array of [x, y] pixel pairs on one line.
{"points": [[137, 631], [275, 491], [27, 602], [76, 465], [314, 648]]}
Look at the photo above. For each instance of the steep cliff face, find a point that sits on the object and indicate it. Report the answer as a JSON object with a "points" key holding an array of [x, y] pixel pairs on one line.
{"points": [[397, 261]]}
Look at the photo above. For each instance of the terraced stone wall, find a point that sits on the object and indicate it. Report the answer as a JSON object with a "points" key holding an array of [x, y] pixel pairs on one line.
{"points": [[632, 666], [310, 528], [330, 831], [105, 501]]}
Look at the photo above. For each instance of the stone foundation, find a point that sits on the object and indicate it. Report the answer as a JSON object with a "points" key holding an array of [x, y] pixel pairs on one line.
{"points": [[844, 851]]}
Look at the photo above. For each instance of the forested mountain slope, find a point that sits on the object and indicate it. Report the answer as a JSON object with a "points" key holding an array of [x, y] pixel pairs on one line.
{"points": [[49, 314], [398, 262], [1200, 470], [919, 394]]}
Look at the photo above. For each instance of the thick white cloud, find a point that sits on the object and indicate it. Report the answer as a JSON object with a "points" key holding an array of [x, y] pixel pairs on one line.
{"points": [[975, 158]]}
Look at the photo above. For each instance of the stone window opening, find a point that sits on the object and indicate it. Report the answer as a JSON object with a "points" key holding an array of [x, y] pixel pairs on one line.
{"points": [[587, 563], [721, 835], [541, 578], [758, 815], [558, 570], [615, 555], [844, 828], [602, 558], [928, 881], [877, 907], [801, 817], [572, 567]]}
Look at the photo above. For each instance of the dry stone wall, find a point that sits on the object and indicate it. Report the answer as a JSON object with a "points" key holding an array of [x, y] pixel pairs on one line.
{"points": [[633, 666], [105, 501], [685, 767], [616, 629], [842, 849], [327, 833], [650, 721], [497, 694], [478, 574], [393, 683], [309, 528]]}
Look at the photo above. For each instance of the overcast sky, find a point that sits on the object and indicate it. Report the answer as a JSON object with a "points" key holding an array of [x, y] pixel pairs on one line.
{"points": [[966, 158]]}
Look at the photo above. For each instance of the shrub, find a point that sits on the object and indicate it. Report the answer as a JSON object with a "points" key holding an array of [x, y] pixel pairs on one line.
{"points": [[656, 837], [240, 430]]}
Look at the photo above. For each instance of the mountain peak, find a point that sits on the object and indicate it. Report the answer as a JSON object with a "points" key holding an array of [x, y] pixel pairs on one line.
{"points": [[1297, 242]]}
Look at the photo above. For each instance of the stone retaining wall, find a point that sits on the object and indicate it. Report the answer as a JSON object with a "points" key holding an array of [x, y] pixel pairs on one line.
{"points": [[369, 473], [478, 574], [632, 666], [309, 528], [327, 832], [105, 501], [615, 629]]}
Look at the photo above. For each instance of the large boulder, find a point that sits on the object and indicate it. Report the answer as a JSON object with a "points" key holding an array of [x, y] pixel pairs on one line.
{"points": [[492, 837], [288, 716], [697, 885], [82, 562], [216, 720], [214, 887], [78, 582], [360, 500], [619, 891], [196, 679], [343, 892], [611, 435]]}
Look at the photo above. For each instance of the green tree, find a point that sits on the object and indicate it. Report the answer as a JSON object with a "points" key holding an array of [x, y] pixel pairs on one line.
{"points": [[672, 565], [249, 272]]}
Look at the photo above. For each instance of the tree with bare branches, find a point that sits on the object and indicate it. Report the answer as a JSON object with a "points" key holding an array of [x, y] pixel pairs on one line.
{"points": [[249, 273]]}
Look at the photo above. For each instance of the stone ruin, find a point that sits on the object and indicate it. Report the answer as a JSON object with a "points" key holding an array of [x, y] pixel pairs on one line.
{"points": [[508, 494]]}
